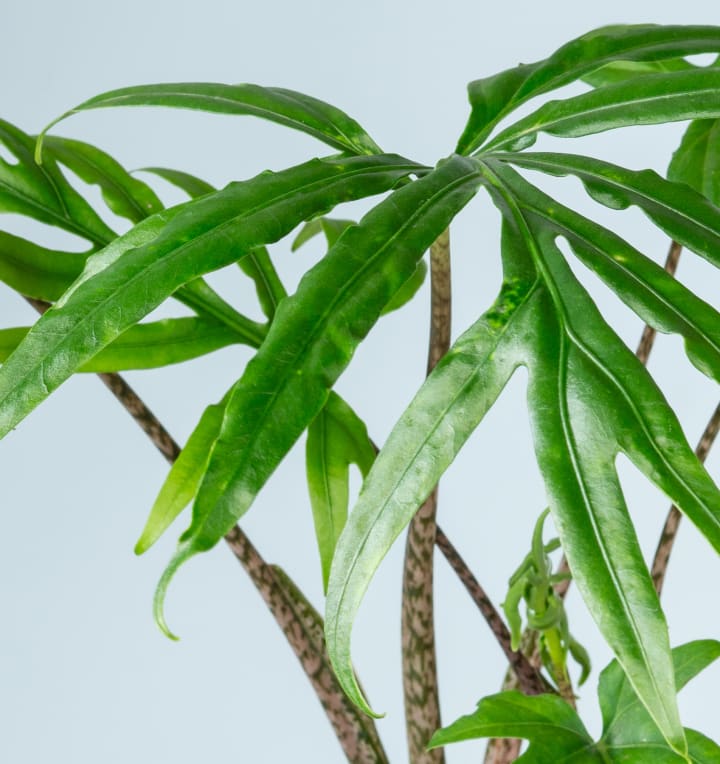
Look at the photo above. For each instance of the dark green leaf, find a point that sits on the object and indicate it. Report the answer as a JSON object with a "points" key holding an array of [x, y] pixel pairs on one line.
{"points": [[684, 214], [648, 100], [259, 267], [556, 733], [408, 290], [168, 250], [697, 160], [188, 183], [35, 271], [145, 346], [552, 726], [337, 438], [331, 227], [494, 97], [286, 107], [42, 192], [125, 196], [621, 71], [310, 342], [644, 286]]}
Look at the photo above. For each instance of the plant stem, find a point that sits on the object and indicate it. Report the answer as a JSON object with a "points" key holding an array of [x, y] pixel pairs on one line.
{"points": [[672, 522], [420, 682], [529, 679], [356, 734]]}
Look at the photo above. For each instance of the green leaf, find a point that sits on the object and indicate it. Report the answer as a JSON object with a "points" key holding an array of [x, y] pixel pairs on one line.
{"points": [[697, 160], [494, 97], [684, 214], [658, 298], [124, 195], [183, 480], [423, 443], [43, 193], [648, 100], [590, 398], [311, 341], [408, 290], [168, 250], [625, 720], [552, 726], [35, 271], [270, 290], [331, 227], [186, 182], [621, 71], [337, 438], [556, 733], [145, 346], [286, 107]]}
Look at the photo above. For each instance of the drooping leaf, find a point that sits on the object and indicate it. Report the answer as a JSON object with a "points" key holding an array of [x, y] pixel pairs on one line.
{"points": [[145, 346], [36, 271], [168, 250], [125, 196], [649, 100], [697, 160], [311, 341], [186, 182], [494, 97], [337, 438], [183, 479], [658, 298], [43, 193], [556, 733], [423, 443], [286, 107]]}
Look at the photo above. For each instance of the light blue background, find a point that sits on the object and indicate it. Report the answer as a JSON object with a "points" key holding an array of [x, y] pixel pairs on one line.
{"points": [[85, 676]]}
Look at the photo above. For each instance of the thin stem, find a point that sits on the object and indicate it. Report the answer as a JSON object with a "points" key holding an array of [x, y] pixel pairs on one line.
{"points": [[530, 681], [357, 735], [420, 682], [672, 522]]}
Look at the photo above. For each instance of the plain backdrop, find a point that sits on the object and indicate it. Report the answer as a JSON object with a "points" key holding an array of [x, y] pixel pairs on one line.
{"points": [[85, 676]]}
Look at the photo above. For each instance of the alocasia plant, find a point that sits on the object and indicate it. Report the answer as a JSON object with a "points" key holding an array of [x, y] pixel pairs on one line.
{"points": [[589, 397]]}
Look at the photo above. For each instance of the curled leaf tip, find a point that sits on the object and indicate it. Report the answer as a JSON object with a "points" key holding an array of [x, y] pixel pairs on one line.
{"points": [[184, 552]]}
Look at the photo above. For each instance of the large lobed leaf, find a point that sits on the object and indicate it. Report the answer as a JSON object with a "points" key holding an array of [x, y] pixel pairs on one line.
{"points": [[311, 340], [129, 278], [557, 734]]}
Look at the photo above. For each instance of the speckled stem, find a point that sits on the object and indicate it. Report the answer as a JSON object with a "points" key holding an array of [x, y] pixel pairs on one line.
{"points": [[672, 522], [299, 622], [420, 682]]}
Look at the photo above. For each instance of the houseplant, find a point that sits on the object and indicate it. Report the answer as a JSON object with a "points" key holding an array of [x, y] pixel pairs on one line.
{"points": [[588, 396]]}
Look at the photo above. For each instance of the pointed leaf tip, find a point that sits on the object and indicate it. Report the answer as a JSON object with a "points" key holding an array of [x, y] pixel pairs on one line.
{"points": [[184, 553]]}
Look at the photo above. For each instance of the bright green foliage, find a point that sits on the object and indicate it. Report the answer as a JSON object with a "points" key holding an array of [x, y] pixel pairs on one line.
{"points": [[533, 583], [589, 398], [556, 733]]}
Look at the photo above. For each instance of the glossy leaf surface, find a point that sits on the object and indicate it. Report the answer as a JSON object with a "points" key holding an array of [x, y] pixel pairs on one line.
{"points": [[493, 97], [556, 733], [43, 193], [286, 107], [168, 250], [311, 340], [337, 438], [145, 346], [125, 196], [697, 160], [648, 100]]}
